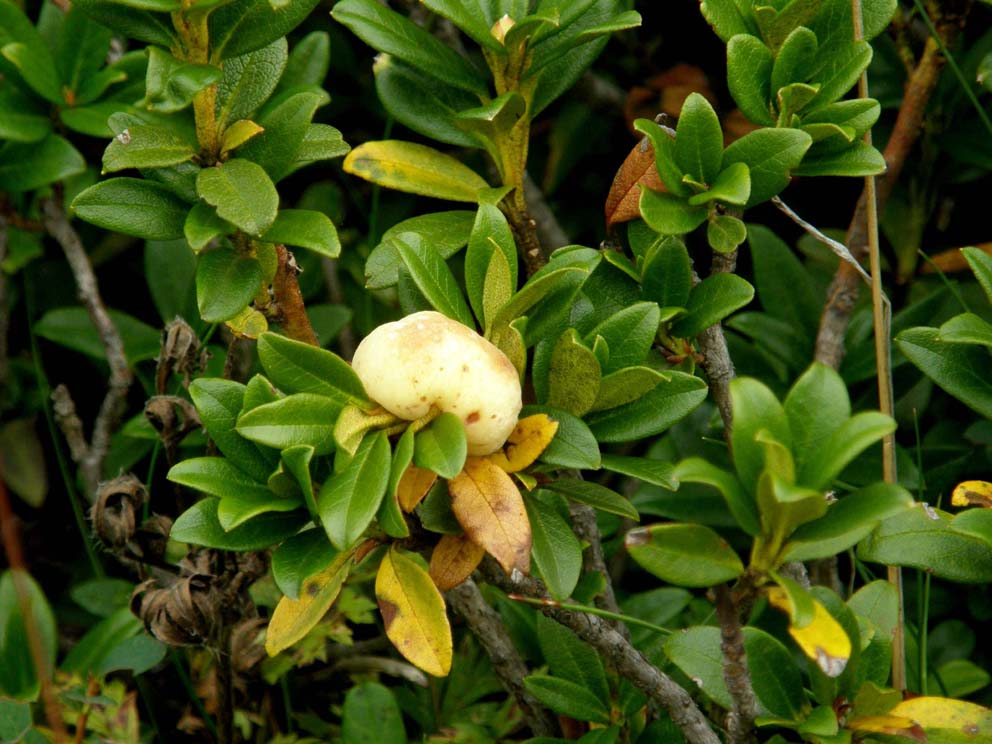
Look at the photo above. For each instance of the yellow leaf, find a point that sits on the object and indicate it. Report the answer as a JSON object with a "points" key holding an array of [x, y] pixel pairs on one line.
{"points": [[413, 486], [891, 725], [945, 713], [822, 639], [489, 508], [294, 618], [526, 442], [413, 613], [453, 560], [237, 134], [249, 323], [973, 493], [406, 166]]}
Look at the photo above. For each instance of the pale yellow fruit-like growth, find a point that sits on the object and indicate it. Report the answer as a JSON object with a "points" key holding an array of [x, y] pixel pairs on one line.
{"points": [[427, 359]]}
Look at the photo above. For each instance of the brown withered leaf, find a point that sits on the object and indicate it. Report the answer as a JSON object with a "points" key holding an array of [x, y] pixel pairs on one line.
{"points": [[905, 728], [413, 486], [623, 201], [453, 560], [951, 261], [490, 509]]}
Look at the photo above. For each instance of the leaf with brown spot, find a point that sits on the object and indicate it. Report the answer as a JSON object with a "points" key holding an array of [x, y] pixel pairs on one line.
{"points": [[413, 613], [453, 560], [529, 438], [413, 486], [822, 638], [294, 618], [623, 201], [890, 725], [490, 509], [973, 493], [947, 714]]}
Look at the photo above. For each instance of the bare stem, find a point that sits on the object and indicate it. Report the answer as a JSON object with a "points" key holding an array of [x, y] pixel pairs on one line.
{"points": [[586, 529], [716, 357], [286, 288], [627, 660], [113, 405], [486, 625], [736, 675]]}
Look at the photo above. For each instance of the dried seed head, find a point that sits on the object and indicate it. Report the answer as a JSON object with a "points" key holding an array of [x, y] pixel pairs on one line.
{"points": [[116, 511]]}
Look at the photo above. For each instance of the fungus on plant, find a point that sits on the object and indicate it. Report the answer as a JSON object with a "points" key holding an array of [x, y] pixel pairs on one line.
{"points": [[428, 360]]}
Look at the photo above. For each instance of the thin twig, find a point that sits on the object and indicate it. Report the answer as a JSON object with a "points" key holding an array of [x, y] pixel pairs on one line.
{"points": [[627, 660], [587, 529], [712, 345], [736, 675], [11, 540], [113, 405], [225, 689], [883, 362], [486, 625]]}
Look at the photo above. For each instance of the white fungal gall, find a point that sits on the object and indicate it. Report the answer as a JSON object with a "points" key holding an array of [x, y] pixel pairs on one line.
{"points": [[427, 359]]}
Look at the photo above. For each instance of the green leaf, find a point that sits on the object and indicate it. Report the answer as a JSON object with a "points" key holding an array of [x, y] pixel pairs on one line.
{"points": [[81, 51], [349, 499], [981, 264], [171, 84], [785, 288], [242, 193], [749, 67], [476, 19], [652, 413], [925, 538], [847, 442], [246, 25], [794, 59], [629, 334], [490, 233], [433, 278], [145, 147], [247, 81], [130, 21], [296, 367], [390, 515], [774, 674], [845, 76], [72, 327], [725, 232], [699, 139], [414, 168], [371, 713], [667, 276], [137, 654], [755, 407], [284, 141], [554, 546], [684, 554], [669, 214], [725, 16], [423, 103], [298, 419], [226, 282], [133, 206], [655, 472], [198, 525], [448, 232], [30, 55], [573, 375], [570, 658], [442, 447], [203, 225], [307, 229], [857, 159], [18, 673], [966, 328], [574, 446], [740, 503], [732, 186], [22, 117], [308, 62], [389, 32], [88, 655], [712, 300], [300, 557], [626, 385], [957, 368], [847, 522], [770, 155], [537, 288], [219, 403], [567, 698], [664, 156], [28, 166], [296, 461], [594, 495], [816, 407], [15, 721]]}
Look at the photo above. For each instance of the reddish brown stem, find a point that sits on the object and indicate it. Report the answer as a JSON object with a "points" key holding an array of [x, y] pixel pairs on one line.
{"points": [[286, 289]]}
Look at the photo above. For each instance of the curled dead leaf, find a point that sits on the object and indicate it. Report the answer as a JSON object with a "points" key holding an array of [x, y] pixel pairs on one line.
{"points": [[453, 560], [638, 169]]}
